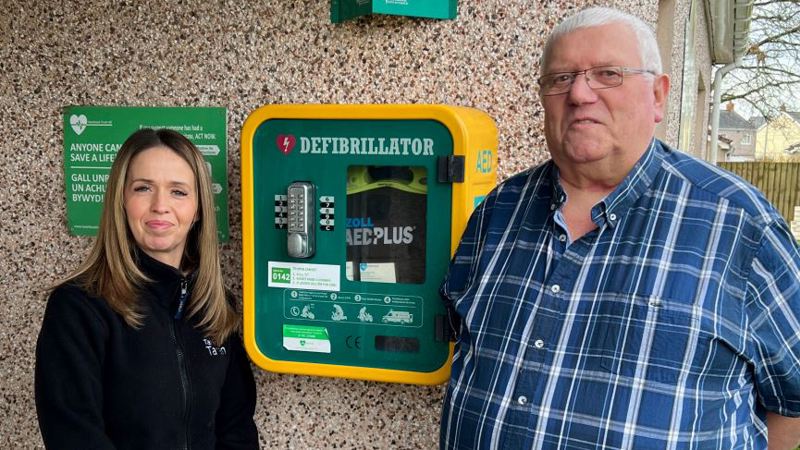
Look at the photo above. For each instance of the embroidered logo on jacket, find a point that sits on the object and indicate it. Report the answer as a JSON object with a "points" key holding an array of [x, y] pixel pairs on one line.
{"points": [[212, 350]]}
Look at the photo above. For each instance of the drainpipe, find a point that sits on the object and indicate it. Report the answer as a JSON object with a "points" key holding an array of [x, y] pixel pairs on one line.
{"points": [[715, 105]]}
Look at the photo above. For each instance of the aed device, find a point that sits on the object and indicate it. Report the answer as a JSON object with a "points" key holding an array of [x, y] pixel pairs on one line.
{"points": [[350, 215]]}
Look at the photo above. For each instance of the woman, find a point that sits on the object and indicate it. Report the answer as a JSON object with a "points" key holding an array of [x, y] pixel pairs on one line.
{"points": [[138, 348]]}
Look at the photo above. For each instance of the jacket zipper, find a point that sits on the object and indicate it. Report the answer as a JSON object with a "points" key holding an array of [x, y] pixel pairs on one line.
{"points": [[182, 299], [182, 359]]}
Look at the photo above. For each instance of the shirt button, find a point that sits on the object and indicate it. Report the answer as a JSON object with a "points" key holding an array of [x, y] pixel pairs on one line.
{"points": [[555, 289], [612, 217], [553, 207], [563, 238], [522, 400], [538, 343]]}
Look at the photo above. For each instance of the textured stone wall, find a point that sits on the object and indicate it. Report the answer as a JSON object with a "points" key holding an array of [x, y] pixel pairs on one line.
{"points": [[240, 55]]}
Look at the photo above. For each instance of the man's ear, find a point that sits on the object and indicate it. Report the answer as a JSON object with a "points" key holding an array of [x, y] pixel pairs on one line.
{"points": [[660, 94]]}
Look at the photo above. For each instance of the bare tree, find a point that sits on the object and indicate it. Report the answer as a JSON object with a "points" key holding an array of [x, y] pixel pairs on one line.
{"points": [[768, 80]]}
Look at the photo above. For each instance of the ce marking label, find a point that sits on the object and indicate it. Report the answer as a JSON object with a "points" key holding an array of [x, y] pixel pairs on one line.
{"points": [[353, 342]]}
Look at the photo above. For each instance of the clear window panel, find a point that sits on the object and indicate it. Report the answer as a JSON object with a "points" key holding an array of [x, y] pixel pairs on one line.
{"points": [[386, 223]]}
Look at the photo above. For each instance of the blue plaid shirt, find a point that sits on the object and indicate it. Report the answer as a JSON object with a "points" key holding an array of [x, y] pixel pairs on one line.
{"points": [[674, 324]]}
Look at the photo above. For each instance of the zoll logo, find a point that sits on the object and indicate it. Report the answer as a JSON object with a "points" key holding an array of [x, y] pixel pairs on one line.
{"points": [[285, 143]]}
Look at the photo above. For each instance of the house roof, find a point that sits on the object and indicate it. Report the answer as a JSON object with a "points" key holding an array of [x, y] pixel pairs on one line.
{"points": [[758, 121], [730, 120]]}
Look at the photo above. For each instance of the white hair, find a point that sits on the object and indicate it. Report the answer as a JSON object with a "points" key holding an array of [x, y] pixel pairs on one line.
{"points": [[599, 16]]}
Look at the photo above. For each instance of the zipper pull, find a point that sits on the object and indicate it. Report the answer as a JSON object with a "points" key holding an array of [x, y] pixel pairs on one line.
{"points": [[182, 298]]}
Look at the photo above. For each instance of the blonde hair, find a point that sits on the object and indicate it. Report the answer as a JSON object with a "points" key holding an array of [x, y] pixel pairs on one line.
{"points": [[110, 270]]}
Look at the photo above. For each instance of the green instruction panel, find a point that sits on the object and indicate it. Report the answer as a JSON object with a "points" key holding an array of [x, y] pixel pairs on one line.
{"points": [[94, 134]]}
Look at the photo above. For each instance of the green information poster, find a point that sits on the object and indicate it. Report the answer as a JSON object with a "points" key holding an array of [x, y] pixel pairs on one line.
{"points": [[342, 10], [94, 134]]}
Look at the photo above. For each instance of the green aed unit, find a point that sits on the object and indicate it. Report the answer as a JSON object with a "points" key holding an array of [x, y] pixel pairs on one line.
{"points": [[342, 10], [350, 215]]}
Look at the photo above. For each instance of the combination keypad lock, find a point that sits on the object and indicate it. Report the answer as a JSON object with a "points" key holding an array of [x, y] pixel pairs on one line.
{"points": [[300, 217]]}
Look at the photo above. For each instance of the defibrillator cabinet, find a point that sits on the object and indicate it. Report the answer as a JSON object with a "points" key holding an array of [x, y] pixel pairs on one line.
{"points": [[350, 214]]}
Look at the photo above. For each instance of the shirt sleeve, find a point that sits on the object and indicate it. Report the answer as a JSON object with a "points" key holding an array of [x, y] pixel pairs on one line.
{"points": [[773, 309], [464, 263], [68, 376], [235, 427]]}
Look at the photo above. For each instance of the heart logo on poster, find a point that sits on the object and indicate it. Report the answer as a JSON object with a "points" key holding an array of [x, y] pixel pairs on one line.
{"points": [[285, 143], [78, 123]]}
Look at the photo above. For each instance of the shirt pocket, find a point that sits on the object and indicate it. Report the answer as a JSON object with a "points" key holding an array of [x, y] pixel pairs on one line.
{"points": [[650, 339]]}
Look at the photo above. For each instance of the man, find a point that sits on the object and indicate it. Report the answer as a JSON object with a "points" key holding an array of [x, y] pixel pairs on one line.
{"points": [[623, 294]]}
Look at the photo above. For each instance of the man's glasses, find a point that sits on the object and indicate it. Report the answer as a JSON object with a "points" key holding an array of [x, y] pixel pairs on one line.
{"points": [[596, 78]]}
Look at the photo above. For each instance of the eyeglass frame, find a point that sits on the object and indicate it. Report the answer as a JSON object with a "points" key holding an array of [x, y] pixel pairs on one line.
{"points": [[585, 73]]}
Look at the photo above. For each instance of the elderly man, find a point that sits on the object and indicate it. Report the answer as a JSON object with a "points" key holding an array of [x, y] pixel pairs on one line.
{"points": [[622, 294]]}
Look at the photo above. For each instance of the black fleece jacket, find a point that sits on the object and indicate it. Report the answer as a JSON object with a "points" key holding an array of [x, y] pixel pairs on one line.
{"points": [[101, 384]]}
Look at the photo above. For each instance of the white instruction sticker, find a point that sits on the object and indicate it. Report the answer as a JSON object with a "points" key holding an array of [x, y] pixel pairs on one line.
{"points": [[319, 277]]}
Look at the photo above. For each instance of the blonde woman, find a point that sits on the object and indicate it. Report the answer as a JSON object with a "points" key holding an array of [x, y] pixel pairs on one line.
{"points": [[138, 348]]}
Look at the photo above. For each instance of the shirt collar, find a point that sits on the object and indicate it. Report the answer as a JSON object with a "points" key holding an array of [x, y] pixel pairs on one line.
{"points": [[615, 205], [558, 195]]}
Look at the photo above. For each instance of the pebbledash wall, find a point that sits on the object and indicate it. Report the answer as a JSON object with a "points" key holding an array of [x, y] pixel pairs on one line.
{"points": [[241, 55]]}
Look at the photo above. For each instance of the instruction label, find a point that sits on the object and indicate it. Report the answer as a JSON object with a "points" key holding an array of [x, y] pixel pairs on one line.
{"points": [[93, 135], [353, 308], [320, 277], [303, 338]]}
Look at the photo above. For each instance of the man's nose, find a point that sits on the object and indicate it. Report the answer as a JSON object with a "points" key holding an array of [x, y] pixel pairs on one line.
{"points": [[580, 92]]}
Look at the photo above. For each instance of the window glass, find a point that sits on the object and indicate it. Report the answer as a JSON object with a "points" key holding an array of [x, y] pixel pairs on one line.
{"points": [[385, 223]]}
